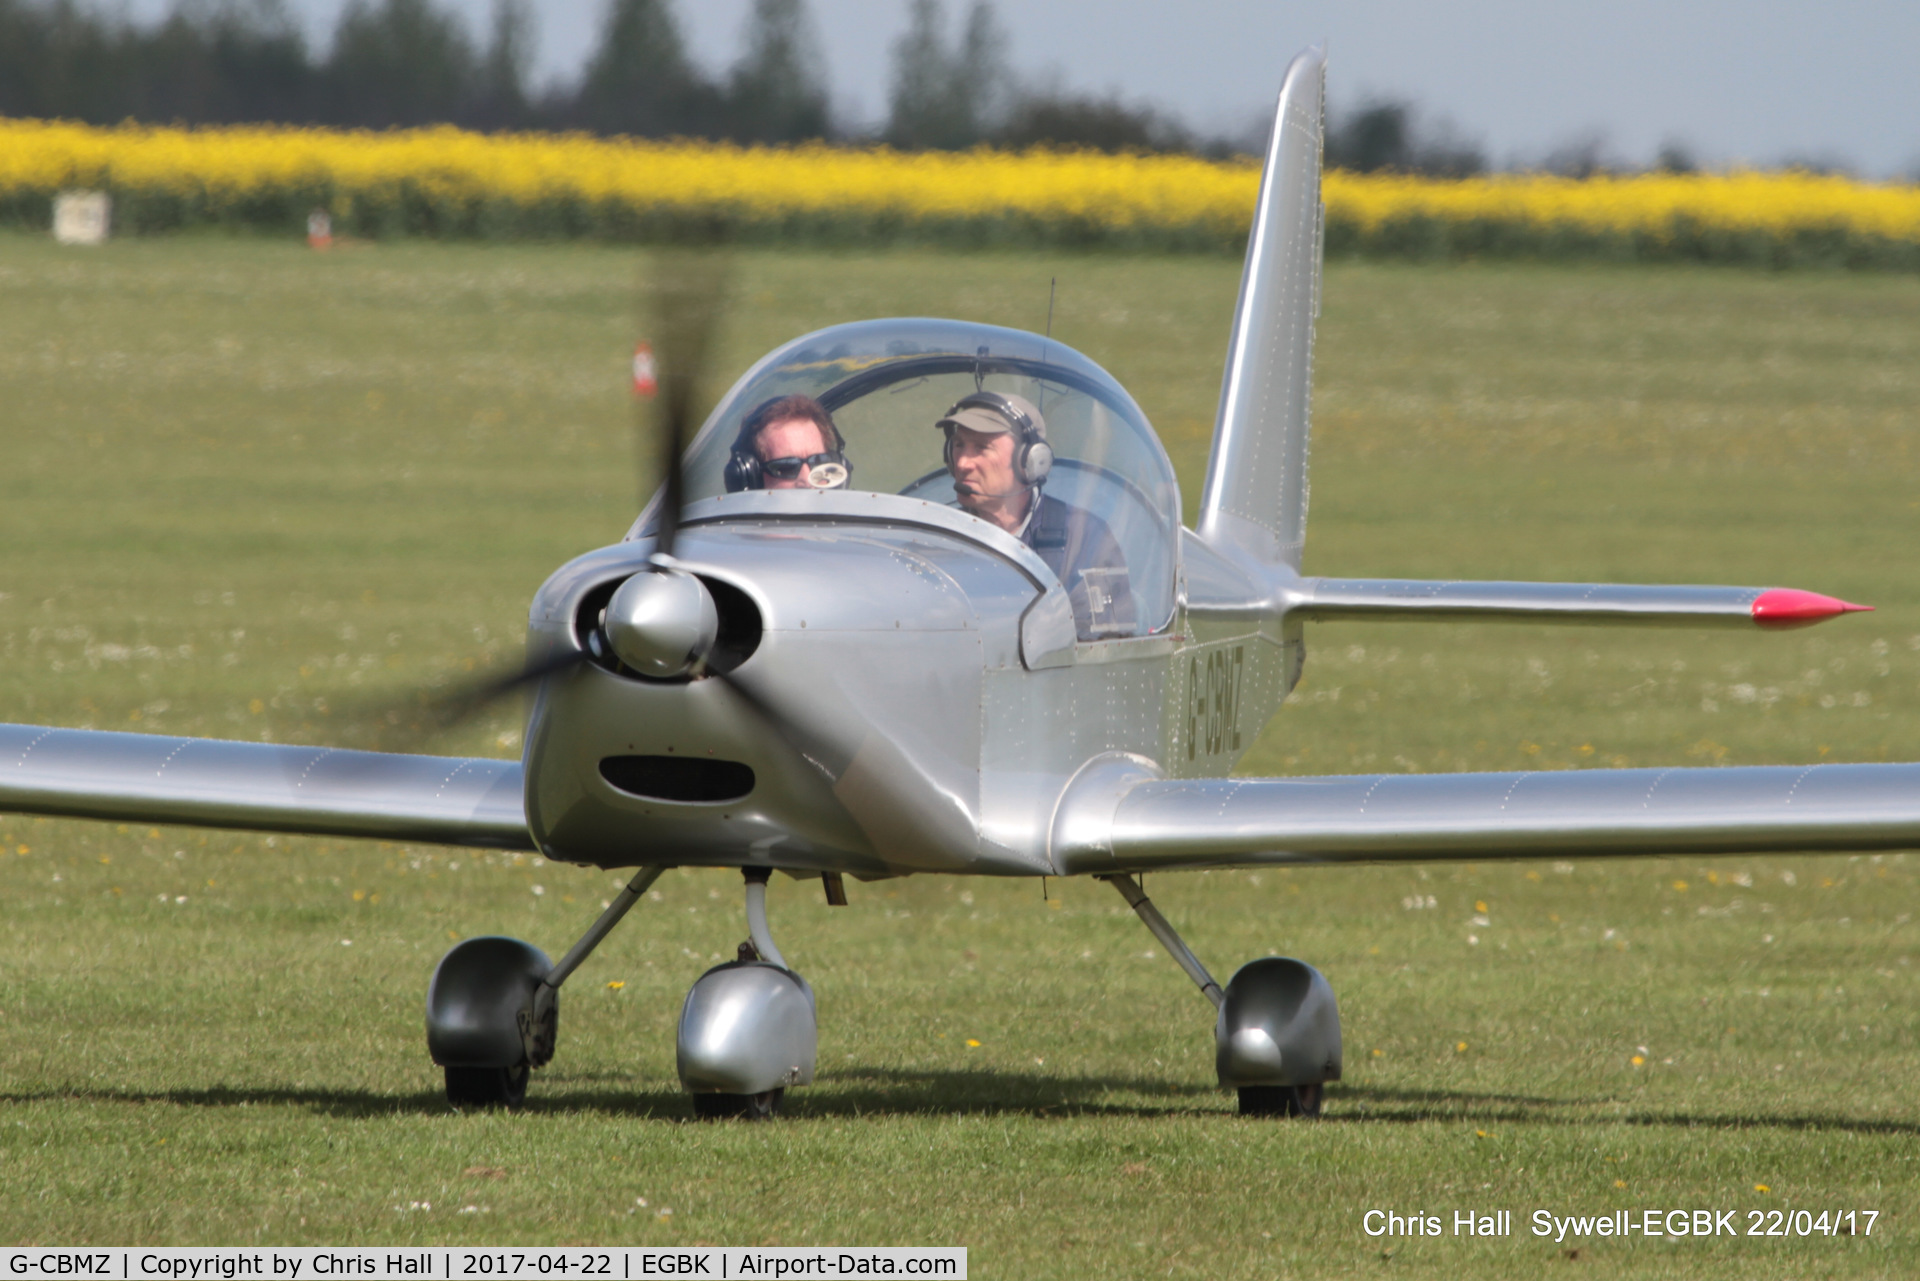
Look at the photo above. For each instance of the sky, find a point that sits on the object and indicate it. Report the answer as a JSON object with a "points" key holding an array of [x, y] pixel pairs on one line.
{"points": [[1758, 81]]}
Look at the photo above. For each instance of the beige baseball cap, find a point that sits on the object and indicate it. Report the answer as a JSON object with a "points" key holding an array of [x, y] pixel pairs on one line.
{"points": [[980, 413]]}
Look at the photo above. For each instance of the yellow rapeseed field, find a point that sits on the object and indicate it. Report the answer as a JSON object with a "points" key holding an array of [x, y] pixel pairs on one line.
{"points": [[219, 169], [1742, 201], [448, 181]]}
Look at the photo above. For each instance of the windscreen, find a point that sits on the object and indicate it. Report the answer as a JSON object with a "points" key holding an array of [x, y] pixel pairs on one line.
{"points": [[1106, 515]]}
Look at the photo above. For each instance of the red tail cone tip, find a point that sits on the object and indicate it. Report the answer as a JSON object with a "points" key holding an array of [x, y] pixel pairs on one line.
{"points": [[1791, 607]]}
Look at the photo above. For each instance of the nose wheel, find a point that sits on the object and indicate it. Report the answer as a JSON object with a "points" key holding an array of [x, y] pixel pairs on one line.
{"points": [[748, 1029], [763, 1106], [1281, 1100]]}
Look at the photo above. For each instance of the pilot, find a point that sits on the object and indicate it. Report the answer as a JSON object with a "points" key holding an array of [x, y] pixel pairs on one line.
{"points": [[788, 442], [999, 458]]}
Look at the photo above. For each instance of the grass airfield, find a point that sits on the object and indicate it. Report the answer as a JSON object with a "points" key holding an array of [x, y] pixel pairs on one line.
{"points": [[252, 491]]}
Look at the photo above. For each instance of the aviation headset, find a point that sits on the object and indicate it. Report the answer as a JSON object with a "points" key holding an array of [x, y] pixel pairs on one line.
{"points": [[743, 464], [1032, 455]]}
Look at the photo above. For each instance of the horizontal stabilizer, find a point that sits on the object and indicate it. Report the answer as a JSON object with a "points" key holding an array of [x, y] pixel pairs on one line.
{"points": [[208, 782], [1433, 600], [1164, 823]]}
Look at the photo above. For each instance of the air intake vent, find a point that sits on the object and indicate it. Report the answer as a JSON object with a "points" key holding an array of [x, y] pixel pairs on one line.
{"points": [[678, 778]]}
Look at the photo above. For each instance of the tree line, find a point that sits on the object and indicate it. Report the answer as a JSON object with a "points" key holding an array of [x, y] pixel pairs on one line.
{"points": [[398, 63]]}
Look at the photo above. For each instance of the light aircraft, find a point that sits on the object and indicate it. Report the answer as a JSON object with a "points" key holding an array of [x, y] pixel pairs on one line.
{"points": [[867, 680]]}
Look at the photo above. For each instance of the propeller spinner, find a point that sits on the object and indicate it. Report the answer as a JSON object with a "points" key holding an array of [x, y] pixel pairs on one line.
{"points": [[662, 623]]}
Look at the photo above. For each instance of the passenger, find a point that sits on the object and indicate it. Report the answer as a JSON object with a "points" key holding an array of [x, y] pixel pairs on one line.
{"points": [[999, 458], [789, 442]]}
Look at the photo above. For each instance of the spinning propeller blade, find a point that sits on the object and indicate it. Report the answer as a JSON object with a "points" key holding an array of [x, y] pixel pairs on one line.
{"points": [[683, 302], [407, 722], [686, 297]]}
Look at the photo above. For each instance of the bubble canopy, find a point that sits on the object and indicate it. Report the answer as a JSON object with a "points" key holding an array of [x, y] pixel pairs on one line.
{"points": [[887, 382]]}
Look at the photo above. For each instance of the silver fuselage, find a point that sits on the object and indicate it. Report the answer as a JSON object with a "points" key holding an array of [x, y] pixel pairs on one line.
{"points": [[910, 706]]}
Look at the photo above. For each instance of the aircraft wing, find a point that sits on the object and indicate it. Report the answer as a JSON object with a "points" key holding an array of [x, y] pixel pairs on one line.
{"points": [[209, 782], [1140, 823]]}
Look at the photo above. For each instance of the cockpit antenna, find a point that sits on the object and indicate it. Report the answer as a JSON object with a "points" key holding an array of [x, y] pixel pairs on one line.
{"points": [[1046, 348]]}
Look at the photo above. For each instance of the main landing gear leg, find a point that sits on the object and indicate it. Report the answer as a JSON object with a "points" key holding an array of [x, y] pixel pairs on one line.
{"points": [[1143, 908], [545, 1019], [493, 1008], [1277, 1036]]}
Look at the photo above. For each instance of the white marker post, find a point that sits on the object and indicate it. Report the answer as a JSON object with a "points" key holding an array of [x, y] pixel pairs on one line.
{"points": [[81, 217]]}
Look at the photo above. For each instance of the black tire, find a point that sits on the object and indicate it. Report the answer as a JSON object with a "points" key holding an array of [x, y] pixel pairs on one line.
{"points": [[487, 1087], [1281, 1100], [738, 1107]]}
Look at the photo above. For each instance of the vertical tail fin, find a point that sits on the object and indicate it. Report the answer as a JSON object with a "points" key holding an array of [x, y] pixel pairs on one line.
{"points": [[1255, 501]]}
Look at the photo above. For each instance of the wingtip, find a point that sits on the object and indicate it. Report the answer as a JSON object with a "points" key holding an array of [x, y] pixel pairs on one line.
{"points": [[1782, 607]]}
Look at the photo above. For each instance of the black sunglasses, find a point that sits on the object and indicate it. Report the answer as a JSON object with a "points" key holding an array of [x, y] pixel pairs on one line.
{"points": [[789, 468]]}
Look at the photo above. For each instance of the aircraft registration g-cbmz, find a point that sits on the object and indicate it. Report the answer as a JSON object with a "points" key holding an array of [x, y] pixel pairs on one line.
{"points": [[859, 676]]}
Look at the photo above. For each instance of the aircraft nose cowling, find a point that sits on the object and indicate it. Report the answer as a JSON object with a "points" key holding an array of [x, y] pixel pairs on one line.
{"points": [[662, 623]]}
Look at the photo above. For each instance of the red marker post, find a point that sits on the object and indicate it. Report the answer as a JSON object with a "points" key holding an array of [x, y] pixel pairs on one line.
{"points": [[645, 383]]}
